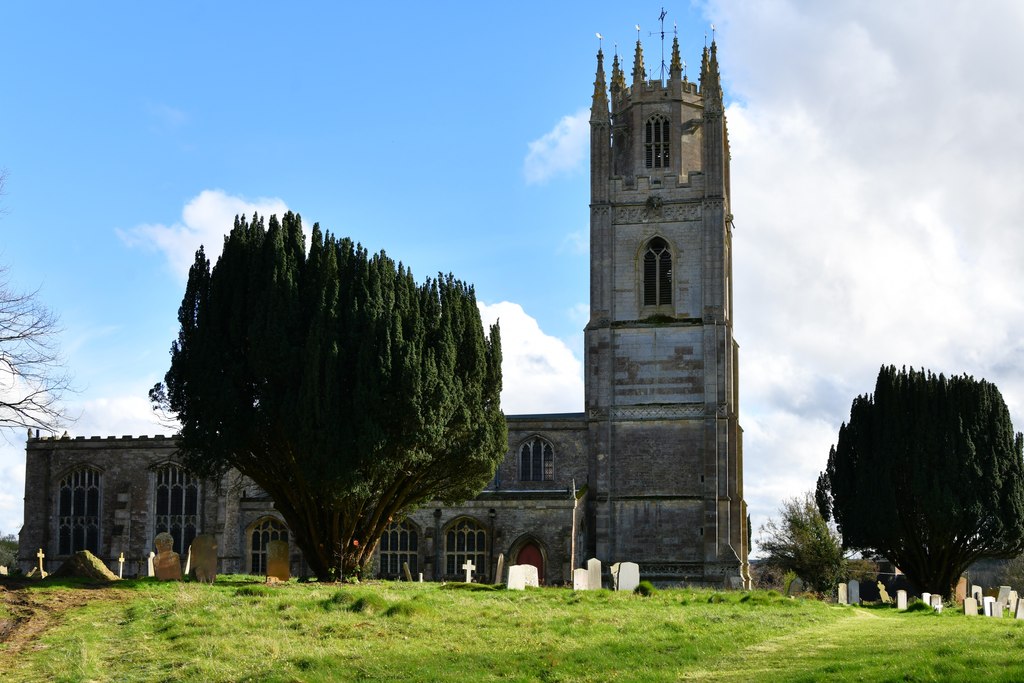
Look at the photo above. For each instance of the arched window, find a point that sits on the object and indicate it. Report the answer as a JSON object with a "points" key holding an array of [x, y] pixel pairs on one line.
{"points": [[79, 512], [177, 505], [657, 273], [656, 150], [536, 460], [400, 543], [465, 540], [263, 532]]}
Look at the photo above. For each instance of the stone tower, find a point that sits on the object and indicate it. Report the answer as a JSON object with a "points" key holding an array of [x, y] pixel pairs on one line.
{"points": [[666, 457]]}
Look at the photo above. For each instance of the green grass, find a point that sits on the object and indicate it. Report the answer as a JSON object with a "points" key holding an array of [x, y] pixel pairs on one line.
{"points": [[238, 630]]}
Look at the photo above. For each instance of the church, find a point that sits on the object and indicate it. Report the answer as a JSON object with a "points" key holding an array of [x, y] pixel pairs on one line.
{"points": [[650, 472]]}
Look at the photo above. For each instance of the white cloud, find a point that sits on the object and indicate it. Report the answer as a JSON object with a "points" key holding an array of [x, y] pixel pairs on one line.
{"points": [[205, 220], [539, 372], [560, 151]]}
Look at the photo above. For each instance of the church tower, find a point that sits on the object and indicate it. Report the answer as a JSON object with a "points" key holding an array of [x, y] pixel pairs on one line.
{"points": [[665, 445]]}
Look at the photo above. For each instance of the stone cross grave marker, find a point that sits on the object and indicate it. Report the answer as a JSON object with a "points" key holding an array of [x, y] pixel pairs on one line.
{"points": [[1004, 594], [580, 579], [970, 607], [167, 564], [203, 552], [625, 576], [594, 573], [149, 568], [278, 565], [522, 575], [406, 572], [120, 566], [854, 592], [901, 599], [842, 599], [499, 569], [41, 555], [469, 567], [882, 594]]}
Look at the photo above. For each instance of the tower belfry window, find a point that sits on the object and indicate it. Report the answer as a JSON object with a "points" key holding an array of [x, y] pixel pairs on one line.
{"points": [[657, 273], [656, 142]]}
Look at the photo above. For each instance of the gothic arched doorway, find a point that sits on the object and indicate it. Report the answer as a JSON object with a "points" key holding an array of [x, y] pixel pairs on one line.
{"points": [[530, 553]]}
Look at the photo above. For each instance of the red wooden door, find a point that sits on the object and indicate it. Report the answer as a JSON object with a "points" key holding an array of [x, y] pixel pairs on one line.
{"points": [[530, 554]]}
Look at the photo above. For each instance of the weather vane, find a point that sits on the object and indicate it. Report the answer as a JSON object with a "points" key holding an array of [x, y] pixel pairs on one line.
{"points": [[661, 18], [600, 41]]}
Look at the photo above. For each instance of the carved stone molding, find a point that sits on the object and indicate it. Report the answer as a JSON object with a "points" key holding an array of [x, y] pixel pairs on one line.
{"points": [[658, 412], [661, 213]]}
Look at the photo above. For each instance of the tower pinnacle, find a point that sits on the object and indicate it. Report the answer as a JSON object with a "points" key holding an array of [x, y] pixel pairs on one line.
{"points": [[639, 73], [599, 107], [675, 68]]}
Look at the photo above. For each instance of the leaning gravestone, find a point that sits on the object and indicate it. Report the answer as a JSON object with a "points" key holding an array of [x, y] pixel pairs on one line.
{"points": [[1004, 594], [626, 576], [882, 595], [970, 607], [167, 563], [499, 568], [406, 572], [1019, 614], [580, 579], [203, 552], [278, 564], [854, 592], [1011, 602], [594, 573], [901, 599], [522, 575], [842, 599]]}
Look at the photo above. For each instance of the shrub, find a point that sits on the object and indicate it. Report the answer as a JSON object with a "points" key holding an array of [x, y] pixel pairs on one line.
{"points": [[645, 588]]}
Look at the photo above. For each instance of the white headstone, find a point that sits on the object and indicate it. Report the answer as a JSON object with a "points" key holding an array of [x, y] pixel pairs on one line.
{"points": [[842, 599], [977, 593], [3, 570], [151, 572], [926, 598], [854, 592], [937, 602], [594, 573], [188, 561], [580, 579], [987, 602], [901, 599], [625, 576], [469, 567], [1019, 614], [120, 566], [499, 568], [970, 607], [522, 575], [421, 577]]}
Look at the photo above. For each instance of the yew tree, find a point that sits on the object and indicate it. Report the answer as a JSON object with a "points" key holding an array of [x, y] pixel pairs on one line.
{"points": [[347, 391], [928, 472]]}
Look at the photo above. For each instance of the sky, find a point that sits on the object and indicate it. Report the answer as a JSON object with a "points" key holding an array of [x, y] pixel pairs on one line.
{"points": [[877, 184]]}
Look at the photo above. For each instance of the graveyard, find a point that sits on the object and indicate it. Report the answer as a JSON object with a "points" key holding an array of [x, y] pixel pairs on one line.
{"points": [[244, 628]]}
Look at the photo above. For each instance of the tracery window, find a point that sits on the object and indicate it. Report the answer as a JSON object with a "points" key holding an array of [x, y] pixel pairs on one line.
{"points": [[536, 460], [263, 532], [465, 540], [400, 543], [656, 142], [79, 512], [177, 505], [657, 273]]}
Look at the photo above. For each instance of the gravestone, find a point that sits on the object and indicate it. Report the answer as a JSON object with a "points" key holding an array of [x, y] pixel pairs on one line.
{"points": [[842, 599], [796, 586], [421, 577], [167, 563], [970, 607], [499, 569], [625, 576], [997, 609], [188, 561], [120, 566], [203, 552], [1011, 602], [1004, 594], [522, 575], [468, 567], [882, 595], [278, 564], [406, 572], [149, 567], [937, 602], [901, 600], [853, 591], [926, 598], [580, 579], [41, 555], [1019, 613], [3, 570], [976, 593], [594, 573], [961, 590], [987, 603]]}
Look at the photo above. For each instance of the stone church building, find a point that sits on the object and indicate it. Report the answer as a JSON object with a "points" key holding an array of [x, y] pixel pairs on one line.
{"points": [[650, 472]]}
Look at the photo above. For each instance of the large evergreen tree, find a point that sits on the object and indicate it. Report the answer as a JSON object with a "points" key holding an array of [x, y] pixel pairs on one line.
{"points": [[928, 472], [349, 393]]}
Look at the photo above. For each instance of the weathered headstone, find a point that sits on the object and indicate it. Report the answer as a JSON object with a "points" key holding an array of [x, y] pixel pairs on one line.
{"points": [[278, 564], [203, 552], [977, 593], [3, 570], [594, 573], [960, 592], [987, 603], [406, 572], [167, 563], [625, 576], [796, 586], [1011, 602], [901, 599], [580, 579], [843, 598], [468, 567], [937, 602], [522, 575], [120, 566], [41, 555], [1019, 612], [854, 591], [149, 567], [1004, 594], [421, 577], [997, 609], [882, 595], [970, 607], [499, 569]]}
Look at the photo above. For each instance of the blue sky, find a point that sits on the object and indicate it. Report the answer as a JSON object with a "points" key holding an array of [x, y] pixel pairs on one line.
{"points": [[876, 179]]}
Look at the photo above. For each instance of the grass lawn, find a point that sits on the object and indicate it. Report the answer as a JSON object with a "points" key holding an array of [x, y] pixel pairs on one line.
{"points": [[241, 630]]}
